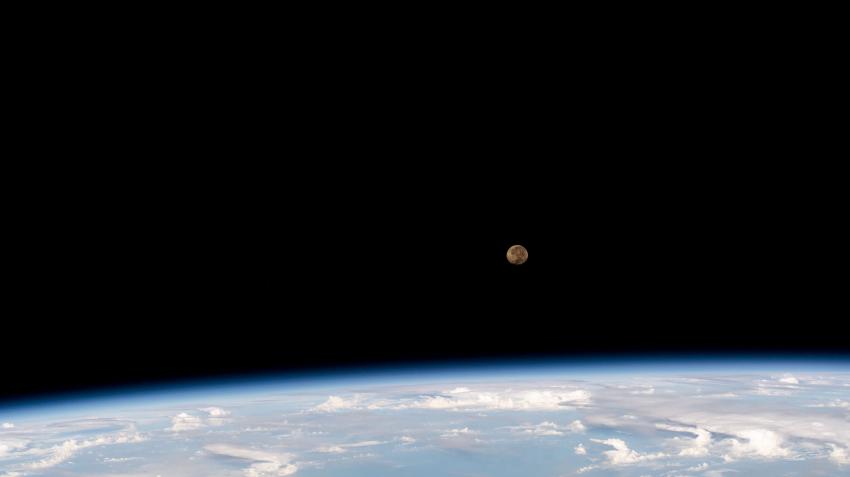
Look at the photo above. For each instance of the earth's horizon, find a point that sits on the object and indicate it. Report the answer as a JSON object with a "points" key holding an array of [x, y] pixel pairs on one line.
{"points": [[706, 418]]}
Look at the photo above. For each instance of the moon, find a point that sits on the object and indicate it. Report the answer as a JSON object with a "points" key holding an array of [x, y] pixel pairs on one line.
{"points": [[517, 254]]}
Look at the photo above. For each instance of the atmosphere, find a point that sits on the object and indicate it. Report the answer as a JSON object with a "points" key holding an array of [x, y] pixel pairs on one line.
{"points": [[697, 417]]}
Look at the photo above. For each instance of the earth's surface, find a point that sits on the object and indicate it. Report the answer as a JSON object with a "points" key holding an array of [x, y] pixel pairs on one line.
{"points": [[692, 419]]}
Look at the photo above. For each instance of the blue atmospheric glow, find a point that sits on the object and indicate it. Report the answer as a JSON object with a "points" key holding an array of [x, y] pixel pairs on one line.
{"points": [[666, 415]]}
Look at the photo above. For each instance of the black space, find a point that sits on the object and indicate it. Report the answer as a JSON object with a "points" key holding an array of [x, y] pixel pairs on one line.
{"points": [[343, 222]]}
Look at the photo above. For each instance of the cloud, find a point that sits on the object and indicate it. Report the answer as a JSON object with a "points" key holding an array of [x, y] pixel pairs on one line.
{"points": [[265, 464], [9, 446], [337, 403], [460, 390], [698, 447], [529, 400], [216, 416], [549, 428], [185, 422], [759, 443], [648, 391], [331, 449], [834, 403], [580, 450], [546, 428], [339, 449], [67, 449], [215, 411], [576, 427], [789, 379], [767, 390], [839, 455], [407, 440], [114, 460], [698, 468], [622, 455], [7, 425], [458, 432], [464, 399]]}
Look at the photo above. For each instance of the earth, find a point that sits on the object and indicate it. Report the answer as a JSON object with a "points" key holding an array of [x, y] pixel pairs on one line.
{"points": [[699, 419]]}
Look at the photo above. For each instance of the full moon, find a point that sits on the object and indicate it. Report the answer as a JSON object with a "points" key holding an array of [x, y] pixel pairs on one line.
{"points": [[517, 254]]}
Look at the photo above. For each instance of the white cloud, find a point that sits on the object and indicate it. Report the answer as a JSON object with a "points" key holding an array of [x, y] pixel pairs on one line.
{"points": [[622, 455], [8, 446], [789, 379], [67, 449], [265, 464], [528, 400], [697, 447], [648, 391], [719, 395], [834, 403], [7, 425], [580, 450], [767, 390], [331, 449], [215, 411], [759, 443], [698, 468], [337, 403], [458, 433], [339, 449], [365, 444], [839, 455], [549, 428], [576, 427], [185, 422], [407, 440], [585, 469], [459, 390], [116, 460], [217, 415], [464, 399], [546, 428]]}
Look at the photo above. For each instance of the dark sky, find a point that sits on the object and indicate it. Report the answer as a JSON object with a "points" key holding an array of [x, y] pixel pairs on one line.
{"points": [[325, 227], [199, 283]]}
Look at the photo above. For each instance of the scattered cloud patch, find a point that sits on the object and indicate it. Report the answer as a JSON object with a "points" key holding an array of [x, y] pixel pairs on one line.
{"points": [[759, 443], [459, 390], [263, 464], [215, 411], [697, 447], [61, 452], [834, 403], [576, 427], [9, 446], [7, 425], [337, 403], [341, 448], [185, 422], [580, 450], [839, 455], [622, 455], [647, 391], [529, 400], [549, 428], [458, 432]]}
